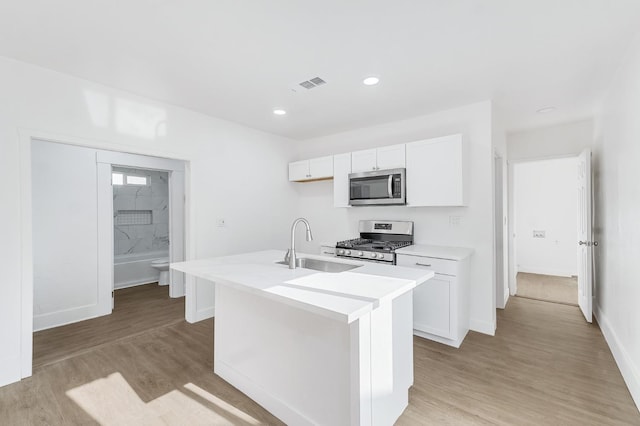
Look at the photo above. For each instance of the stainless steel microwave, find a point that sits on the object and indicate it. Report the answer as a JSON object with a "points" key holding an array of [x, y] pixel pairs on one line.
{"points": [[380, 187]]}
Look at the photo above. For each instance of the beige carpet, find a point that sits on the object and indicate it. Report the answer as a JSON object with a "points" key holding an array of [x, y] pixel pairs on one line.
{"points": [[548, 287]]}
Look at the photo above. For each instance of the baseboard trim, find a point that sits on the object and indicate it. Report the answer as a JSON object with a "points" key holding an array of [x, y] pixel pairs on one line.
{"points": [[484, 327], [629, 371], [202, 314], [545, 271], [69, 316], [134, 283]]}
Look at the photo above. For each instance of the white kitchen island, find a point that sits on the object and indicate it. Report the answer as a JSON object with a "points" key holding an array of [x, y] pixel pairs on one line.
{"points": [[314, 347]]}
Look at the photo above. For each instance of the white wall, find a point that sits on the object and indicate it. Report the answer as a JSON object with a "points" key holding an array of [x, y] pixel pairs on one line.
{"points": [[546, 200], [568, 139], [331, 224], [617, 223], [234, 171], [65, 235]]}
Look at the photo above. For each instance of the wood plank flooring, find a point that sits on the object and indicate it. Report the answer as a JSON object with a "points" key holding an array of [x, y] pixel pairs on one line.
{"points": [[548, 287], [136, 310], [544, 366]]}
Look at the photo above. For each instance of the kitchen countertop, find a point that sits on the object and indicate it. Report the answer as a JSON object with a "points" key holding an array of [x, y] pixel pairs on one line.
{"points": [[344, 296], [440, 252]]}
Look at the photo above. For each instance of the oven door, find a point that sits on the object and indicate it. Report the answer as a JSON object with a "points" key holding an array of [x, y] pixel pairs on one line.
{"points": [[381, 187]]}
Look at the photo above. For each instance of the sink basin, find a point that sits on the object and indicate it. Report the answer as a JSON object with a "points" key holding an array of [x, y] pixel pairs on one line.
{"points": [[321, 265]]}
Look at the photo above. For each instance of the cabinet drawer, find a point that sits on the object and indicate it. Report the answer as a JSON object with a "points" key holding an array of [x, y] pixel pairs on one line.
{"points": [[328, 250], [439, 266]]}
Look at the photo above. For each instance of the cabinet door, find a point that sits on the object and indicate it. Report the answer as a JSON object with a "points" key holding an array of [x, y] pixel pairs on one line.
{"points": [[436, 172], [321, 167], [431, 306], [299, 170], [363, 161], [391, 157], [341, 170]]}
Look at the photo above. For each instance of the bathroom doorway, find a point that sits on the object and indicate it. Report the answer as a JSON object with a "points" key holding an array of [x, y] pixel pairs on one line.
{"points": [[140, 227]]}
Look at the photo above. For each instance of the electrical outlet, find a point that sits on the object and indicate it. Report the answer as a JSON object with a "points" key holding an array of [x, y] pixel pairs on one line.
{"points": [[454, 221], [221, 223], [538, 234]]}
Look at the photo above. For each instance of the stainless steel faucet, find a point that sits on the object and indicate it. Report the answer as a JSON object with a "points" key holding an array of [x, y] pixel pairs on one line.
{"points": [[291, 253]]}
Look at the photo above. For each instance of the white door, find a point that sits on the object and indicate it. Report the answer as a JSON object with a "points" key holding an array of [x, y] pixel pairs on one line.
{"points": [[585, 243]]}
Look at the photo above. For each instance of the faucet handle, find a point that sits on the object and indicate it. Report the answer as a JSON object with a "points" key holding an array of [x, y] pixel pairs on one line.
{"points": [[287, 256]]}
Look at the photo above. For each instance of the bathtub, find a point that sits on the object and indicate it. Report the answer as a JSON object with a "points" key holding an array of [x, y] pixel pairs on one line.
{"points": [[135, 268]]}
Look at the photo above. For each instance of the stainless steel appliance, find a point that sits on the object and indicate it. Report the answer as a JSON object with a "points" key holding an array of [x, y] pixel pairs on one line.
{"points": [[379, 187], [378, 241]]}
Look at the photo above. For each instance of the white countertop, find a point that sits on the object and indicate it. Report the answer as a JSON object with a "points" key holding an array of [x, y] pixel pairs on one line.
{"points": [[344, 296], [440, 252]]}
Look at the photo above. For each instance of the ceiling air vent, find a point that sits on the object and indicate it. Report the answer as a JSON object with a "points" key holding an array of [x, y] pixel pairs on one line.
{"points": [[314, 82]]}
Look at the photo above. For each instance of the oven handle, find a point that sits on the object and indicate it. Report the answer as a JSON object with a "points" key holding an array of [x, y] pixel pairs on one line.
{"points": [[390, 186]]}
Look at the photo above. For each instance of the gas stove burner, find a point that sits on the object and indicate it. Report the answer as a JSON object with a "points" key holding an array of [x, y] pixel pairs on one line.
{"points": [[378, 241], [353, 242]]}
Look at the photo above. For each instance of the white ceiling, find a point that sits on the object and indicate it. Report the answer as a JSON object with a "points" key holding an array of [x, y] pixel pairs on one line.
{"points": [[238, 59]]}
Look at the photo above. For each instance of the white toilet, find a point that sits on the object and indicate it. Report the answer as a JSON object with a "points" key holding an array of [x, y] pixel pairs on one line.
{"points": [[162, 265]]}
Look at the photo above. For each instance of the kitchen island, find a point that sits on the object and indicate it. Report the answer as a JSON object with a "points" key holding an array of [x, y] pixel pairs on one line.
{"points": [[314, 347]]}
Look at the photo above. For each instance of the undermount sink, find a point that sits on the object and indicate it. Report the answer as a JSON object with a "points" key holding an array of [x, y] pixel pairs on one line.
{"points": [[321, 265]]}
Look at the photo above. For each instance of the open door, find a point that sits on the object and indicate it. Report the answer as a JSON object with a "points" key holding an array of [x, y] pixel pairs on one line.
{"points": [[585, 243]]}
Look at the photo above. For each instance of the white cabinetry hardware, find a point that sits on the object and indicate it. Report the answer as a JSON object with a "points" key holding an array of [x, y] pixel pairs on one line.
{"points": [[387, 157], [314, 169]]}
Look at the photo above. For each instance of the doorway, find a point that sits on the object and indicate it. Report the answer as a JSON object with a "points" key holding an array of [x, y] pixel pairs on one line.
{"points": [[140, 227], [73, 228], [545, 208]]}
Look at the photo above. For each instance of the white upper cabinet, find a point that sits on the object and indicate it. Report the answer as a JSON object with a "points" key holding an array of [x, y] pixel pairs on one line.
{"points": [[437, 172], [388, 157], [341, 170], [316, 168], [363, 161], [391, 157]]}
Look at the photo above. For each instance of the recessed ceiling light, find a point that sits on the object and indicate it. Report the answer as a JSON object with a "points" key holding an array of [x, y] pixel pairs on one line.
{"points": [[371, 81], [279, 112], [546, 110]]}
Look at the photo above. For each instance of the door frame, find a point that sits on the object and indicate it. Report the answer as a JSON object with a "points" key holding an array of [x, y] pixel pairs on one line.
{"points": [[25, 137], [106, 160], [513, 260], [500, 220]]}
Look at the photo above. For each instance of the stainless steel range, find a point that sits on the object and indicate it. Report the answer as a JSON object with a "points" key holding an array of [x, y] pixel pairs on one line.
{"points": [[378, 241]]}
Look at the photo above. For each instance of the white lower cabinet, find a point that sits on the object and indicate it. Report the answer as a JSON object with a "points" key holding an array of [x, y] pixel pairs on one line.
{"points": [[440, 305]]}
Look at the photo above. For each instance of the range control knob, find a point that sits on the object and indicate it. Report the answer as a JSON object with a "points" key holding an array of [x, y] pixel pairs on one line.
{"points": [[373, 255], [380, 255], [340, 251], [348, 252], [360, 253]]}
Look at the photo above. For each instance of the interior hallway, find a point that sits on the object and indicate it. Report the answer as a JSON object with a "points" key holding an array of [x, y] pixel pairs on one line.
{"points": [[545, 365], [548, 288]]}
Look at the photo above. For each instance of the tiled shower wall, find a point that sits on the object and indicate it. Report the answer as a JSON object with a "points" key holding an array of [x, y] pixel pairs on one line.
{"points": [[154, 197]]}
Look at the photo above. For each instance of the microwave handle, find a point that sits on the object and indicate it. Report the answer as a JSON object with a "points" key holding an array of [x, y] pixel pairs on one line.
{"points": [[390, 186]]}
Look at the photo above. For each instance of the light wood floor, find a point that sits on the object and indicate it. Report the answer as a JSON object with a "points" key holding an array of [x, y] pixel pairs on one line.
{"points": [[136, 310], [548, 288], [544, 366]]}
